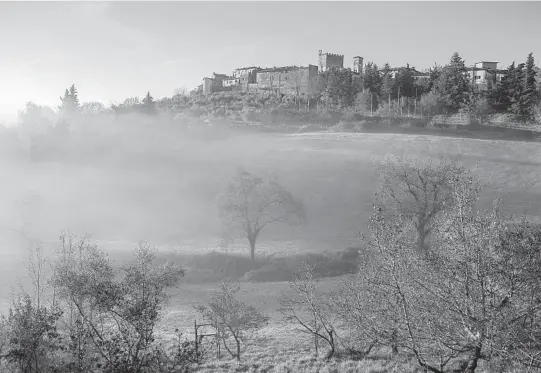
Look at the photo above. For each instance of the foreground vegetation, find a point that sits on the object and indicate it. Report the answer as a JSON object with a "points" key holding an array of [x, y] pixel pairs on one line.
{"points": [[438, 286]]}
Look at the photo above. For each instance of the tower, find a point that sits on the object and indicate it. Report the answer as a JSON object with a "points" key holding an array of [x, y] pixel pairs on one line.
{"points": [[321, 61], [330, 61], [358, 65]]}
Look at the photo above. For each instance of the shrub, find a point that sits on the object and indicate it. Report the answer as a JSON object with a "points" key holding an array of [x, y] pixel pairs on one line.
{"points": [[350, 116], [31, 335], [233, 318], [249, 115], [311, 128], [196, 112], [272, 272]]}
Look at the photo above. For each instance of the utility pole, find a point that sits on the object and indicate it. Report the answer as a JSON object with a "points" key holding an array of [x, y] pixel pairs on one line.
{"points": [[371, 106]]}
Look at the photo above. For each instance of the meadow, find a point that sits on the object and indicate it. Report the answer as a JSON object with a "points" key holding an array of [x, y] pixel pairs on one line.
{"points": [[159, 185]]}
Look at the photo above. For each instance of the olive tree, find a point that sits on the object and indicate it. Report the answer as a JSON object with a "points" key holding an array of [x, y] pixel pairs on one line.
{"points": [[250, 203]]}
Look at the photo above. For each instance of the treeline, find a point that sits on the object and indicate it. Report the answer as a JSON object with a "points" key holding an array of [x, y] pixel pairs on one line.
{"points": [[443, 90], [383, 92]]}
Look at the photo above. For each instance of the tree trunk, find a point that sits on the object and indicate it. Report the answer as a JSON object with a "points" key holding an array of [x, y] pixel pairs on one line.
{"points": [[238, 348], [252, 248], [394, 347], [472, 364], [331, 345], [422, 237]]}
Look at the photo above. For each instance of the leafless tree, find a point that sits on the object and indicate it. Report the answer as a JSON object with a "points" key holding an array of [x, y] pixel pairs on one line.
{"points": [[309, 310], [234, 319], [463, 302], [92, 108], [250, 203], [420, 190]]}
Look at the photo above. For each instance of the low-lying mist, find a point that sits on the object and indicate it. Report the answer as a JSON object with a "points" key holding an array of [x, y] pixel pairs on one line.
{"points": [[135, 177]]}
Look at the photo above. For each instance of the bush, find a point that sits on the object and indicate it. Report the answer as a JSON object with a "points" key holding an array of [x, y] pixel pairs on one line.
{"points": [[311, 128], [214, 265], [348, 127], [196, 112], [234, 320], [272, 272], [350, 254], [249, 115]]}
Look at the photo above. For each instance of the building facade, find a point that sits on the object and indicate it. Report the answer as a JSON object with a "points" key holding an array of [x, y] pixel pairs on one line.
{"points": [[288, 79], [328, 61], [215, 83], [358, 65], [485, 74], [244, 71], [230, 82]]}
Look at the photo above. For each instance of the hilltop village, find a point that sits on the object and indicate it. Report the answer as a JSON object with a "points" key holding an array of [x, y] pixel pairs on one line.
{"points": [[303, 79]]}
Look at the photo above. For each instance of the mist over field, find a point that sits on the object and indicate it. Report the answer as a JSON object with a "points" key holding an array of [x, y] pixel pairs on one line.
{"points": [[130, 179]]}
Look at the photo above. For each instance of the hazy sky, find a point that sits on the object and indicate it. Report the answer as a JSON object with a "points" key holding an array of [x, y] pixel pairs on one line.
{"points": [[116, 50]]}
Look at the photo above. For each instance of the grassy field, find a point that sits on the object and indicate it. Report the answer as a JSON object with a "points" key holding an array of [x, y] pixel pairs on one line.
{"points": [[161, 189]]}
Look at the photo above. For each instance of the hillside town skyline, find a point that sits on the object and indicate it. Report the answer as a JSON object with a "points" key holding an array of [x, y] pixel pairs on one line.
{"points": [[112, 53], [303, 79]]}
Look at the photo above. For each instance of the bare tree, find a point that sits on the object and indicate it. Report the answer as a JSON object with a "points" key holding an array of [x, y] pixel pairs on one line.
{"points": [[420, 190], [470, 300], [309, 310], [250, 203], [232, 317], [92, 108]]}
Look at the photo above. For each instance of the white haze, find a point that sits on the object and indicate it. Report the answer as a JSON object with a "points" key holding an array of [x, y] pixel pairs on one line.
{"points": [[146, 178]]}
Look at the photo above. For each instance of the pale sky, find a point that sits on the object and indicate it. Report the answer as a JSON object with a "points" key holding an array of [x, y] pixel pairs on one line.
{"points": [[116, 50]]}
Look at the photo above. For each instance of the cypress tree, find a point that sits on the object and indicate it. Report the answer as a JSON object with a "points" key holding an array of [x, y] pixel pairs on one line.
{"points": [[530, 95], [516, 90], [387, 83], [453, 85]]}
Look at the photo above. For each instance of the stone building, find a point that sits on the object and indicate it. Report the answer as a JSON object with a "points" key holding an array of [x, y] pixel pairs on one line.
{"points": [[245, 76], [214, 84], [485, 74], [329, 61], [288, 79], [358, 65]]}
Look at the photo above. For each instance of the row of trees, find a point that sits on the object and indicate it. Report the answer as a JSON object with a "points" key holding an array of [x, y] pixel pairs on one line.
{"points": [[70, 104], [444, 89]]}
